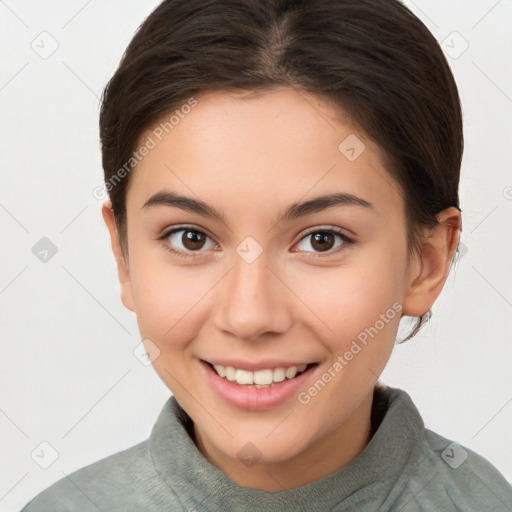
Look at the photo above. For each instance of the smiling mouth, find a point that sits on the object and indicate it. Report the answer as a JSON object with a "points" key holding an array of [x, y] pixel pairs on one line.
{"points": [[259, 379]]}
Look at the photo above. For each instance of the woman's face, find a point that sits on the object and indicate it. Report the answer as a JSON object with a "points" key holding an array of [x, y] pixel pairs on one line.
{"points": [[259, 274]]}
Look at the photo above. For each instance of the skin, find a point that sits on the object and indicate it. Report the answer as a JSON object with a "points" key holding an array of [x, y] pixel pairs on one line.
{"points": [[251, 157]]}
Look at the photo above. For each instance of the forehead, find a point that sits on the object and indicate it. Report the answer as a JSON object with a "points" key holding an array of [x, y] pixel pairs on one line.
{"points": [[248, 150]]}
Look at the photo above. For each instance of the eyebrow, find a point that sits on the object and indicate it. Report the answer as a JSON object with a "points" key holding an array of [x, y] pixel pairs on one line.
{"points": [[294, 211]]}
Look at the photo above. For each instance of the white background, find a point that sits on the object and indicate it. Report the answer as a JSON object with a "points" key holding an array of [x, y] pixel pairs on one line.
{"points": [[68, 374]]}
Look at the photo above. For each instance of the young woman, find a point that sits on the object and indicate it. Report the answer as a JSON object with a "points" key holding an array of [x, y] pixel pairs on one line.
{"points": [[283, 189]]}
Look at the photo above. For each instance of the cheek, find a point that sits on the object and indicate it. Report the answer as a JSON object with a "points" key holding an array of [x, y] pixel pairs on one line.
{"points": [[357, 301], [360, 311], [169, 300], [344, 294]]}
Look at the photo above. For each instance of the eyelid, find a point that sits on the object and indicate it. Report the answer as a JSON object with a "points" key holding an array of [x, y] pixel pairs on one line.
{"points": [[180, 227], [335, 229], [163, 239], [308, 231], [346, 241]]}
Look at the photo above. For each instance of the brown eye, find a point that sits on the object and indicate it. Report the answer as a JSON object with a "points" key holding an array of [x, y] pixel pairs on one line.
{"points": [[193, 239], [189, 240], [322, 240]]}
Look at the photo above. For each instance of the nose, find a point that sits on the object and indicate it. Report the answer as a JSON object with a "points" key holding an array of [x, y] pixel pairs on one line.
{"points": [[252, 301]]}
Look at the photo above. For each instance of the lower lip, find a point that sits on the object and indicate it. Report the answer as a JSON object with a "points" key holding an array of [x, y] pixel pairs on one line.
{"points": [[255, 399]]}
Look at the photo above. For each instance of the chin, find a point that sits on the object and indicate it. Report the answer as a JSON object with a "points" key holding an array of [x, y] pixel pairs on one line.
{"points": [[258, 446]]}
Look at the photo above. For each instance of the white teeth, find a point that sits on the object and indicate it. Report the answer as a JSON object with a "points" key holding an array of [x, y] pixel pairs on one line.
{"points": [[260, 378], [244, 377], [263, 377], [291, 372], [230, 373], [220, 370], [279, 374]]}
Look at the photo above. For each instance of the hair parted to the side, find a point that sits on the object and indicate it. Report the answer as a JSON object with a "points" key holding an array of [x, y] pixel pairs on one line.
{"points": [[372, 59]]}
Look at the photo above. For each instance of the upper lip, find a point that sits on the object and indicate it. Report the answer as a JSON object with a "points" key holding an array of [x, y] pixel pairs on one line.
{"points": [[253, 366]]}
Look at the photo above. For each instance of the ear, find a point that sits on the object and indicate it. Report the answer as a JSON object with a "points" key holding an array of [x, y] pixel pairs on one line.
{"points": [[123, 269], [430, 268]]}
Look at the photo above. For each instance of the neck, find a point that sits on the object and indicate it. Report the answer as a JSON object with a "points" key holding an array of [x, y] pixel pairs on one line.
{"points": [[321, 457]]}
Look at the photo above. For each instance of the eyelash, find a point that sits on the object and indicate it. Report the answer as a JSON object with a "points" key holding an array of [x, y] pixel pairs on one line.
{"points": [[186, 255]]}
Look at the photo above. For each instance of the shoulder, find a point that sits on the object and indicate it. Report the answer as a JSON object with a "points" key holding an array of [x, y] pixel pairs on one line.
{"points": [[447, 474], [121, 482], [437, 473]]}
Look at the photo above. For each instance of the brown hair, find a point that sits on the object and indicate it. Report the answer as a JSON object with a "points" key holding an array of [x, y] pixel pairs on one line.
{"points": [[372, 58]]}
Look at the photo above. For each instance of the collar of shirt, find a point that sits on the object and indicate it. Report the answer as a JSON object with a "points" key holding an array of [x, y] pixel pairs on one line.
{"points": [[202, 486]]}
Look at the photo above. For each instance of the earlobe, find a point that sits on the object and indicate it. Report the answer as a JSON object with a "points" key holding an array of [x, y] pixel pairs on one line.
{"points": [[123, 269], [430, 270]]}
